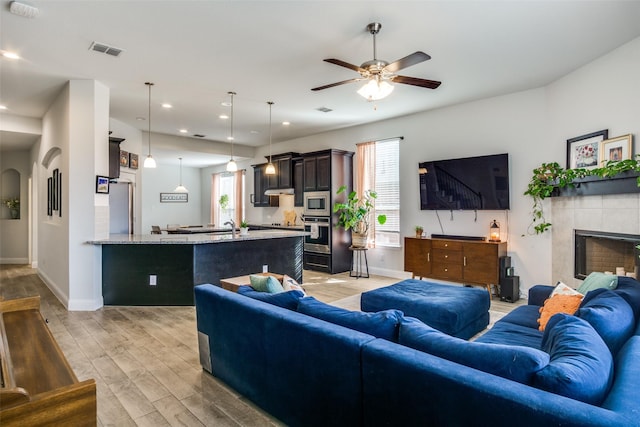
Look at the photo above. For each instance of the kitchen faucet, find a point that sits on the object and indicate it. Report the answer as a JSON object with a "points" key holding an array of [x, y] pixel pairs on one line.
{"points": [[233, 226]]}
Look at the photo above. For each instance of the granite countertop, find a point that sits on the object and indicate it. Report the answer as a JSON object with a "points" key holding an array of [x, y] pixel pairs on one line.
{"points": [[278, 226], [191, 239]]}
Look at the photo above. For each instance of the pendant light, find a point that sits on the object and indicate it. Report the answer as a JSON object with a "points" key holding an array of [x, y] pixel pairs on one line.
{"points": [[181, 188], [232, 166], [149, 162], [270, 169]]}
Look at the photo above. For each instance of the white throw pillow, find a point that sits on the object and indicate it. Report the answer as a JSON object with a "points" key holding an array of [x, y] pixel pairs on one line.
{"points": [[562, 289], [290, 284]]}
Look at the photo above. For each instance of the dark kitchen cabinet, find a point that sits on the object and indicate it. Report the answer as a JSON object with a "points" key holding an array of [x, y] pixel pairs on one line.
{"points": [[261, 183], [317, 172], [298, 182], [284, 171], [114, 157]]}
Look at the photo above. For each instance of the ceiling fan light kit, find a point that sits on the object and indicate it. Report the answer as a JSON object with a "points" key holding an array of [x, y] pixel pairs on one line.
{"points": [[379, 74]]}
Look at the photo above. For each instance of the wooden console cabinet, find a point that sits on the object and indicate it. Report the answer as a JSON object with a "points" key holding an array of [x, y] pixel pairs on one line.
{"points": [[465, 261]]}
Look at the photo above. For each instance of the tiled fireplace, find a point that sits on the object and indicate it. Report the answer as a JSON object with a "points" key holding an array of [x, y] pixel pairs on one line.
{"points": [[606, 252], [616, 214]]}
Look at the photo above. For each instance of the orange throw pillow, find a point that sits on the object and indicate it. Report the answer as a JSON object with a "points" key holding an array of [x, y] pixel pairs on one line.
{"points": [[558, 304]]}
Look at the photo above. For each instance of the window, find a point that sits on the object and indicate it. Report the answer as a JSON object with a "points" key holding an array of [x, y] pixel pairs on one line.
{"points": [[227, 200], [378, 169]]}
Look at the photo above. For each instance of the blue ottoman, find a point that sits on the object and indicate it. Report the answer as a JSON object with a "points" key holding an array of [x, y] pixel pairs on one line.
{"points": [[458, 311]]}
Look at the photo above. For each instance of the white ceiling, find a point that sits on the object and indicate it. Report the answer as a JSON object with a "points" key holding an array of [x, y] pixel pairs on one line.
{"points": [[197, 51]]}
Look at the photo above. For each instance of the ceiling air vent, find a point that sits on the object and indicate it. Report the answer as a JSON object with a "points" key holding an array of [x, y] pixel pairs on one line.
{"points": [[324, 109], [198, 135], [106, 49]]}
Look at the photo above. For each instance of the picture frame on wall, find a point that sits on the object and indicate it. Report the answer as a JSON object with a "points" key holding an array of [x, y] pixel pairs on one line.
{"points": [[102, 184], [174, 197], [616, 149], [133, 161], [124, 159], [584, 151], [54, 190], [50, 196]]}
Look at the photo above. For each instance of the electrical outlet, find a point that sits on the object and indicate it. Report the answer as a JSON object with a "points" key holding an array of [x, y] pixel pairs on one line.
{"points": [[265, 268], [153, 280]]}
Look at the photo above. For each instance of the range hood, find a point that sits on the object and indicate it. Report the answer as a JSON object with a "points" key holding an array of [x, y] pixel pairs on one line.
{"points": [[278, 191]]}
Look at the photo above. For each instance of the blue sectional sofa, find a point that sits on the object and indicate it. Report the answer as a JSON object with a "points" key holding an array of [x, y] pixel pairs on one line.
{"points": [[307, 363]]}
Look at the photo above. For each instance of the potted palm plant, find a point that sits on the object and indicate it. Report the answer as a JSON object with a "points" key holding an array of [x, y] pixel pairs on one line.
{"points": [[355, 213]]}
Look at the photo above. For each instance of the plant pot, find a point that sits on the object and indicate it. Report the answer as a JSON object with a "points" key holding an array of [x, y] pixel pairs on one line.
{"points": [[244, 231], [358, 240], [419, 233], [15, 213]]}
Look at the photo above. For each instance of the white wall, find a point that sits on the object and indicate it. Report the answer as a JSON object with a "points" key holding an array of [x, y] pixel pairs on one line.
{"points": [[164, 179]]}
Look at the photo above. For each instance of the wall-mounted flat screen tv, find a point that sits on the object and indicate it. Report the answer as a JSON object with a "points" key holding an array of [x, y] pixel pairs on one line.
{"points": [[470, 183]]}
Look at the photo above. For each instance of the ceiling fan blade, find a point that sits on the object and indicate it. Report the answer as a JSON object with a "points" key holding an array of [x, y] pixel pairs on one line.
{"points": [[429, 84], [336, 84], [407, 61], [344, 64]]}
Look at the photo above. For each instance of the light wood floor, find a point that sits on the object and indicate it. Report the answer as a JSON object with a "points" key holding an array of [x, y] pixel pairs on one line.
{"points": [[145, 359]]}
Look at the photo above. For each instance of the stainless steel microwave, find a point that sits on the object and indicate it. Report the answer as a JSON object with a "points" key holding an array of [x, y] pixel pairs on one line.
{"points": [[317, 203]]}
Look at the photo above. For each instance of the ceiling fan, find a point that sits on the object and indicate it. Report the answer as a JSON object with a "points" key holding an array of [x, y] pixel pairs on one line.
{"points": [[379, 73]]}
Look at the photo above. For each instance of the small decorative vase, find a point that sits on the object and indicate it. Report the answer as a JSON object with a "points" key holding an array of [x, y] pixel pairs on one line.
{"points": [[244, 231], [419, 233], [15, 213], [358, 240]]}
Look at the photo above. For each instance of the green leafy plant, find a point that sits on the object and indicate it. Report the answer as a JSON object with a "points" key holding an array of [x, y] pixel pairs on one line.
{"points": [[244, 224], [355, 213], [224, 201], [419, 230], [12, 203], [551, 176]]}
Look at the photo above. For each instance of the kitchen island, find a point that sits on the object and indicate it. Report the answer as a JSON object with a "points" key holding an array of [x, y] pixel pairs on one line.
{"points": [[162, 269]]}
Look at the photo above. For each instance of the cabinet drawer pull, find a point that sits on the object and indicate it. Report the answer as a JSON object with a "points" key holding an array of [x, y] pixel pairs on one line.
{"points": [[446, 256], [446, 269], [428, 256], [446, 245], [464, 261]]}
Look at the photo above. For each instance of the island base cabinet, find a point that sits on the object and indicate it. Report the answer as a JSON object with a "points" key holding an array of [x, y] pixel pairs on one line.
{"points": [[129, 271]]}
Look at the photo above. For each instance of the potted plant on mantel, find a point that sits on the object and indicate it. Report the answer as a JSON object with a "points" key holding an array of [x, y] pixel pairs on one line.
{"points": [[354, 214]]}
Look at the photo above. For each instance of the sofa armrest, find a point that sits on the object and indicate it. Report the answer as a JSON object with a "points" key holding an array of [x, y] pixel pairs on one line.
{"points": [[539, 293]]}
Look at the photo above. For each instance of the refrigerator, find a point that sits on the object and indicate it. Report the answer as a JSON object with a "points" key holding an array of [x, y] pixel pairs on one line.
{"points": [[120, 208]]}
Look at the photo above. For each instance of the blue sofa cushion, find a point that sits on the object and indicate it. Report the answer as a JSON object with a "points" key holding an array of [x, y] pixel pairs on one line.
{"points": [[508, 361], [610, 316], [512, 334], [383, 324], [629, 289], [581, 365], [525, 315], [282, 299]]}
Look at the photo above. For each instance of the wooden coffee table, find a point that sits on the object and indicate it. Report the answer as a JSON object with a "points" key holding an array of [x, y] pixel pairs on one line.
{"points": [[233, 283]]}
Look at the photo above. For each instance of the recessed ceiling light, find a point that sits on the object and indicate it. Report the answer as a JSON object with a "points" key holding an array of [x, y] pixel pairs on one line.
{"points": [[286, 123], [3, 107], [140, 119], [10, 55], [255, 132], [223, 116], [166, 105], [184, 131], [225, 104]]}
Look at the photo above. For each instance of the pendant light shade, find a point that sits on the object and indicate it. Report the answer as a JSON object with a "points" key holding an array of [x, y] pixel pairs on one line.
{"points": [[270, 169], [232, 166], [181, 188], [149, 162]]}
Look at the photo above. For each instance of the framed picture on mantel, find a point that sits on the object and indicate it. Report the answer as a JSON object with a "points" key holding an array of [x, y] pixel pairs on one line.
{"points": [[616, 149], [584, 151]]}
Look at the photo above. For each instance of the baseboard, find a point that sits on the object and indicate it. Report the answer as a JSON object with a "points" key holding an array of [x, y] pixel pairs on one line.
{"points": [[85, 304], [54, 288], [18, 261], [389, 273]]}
